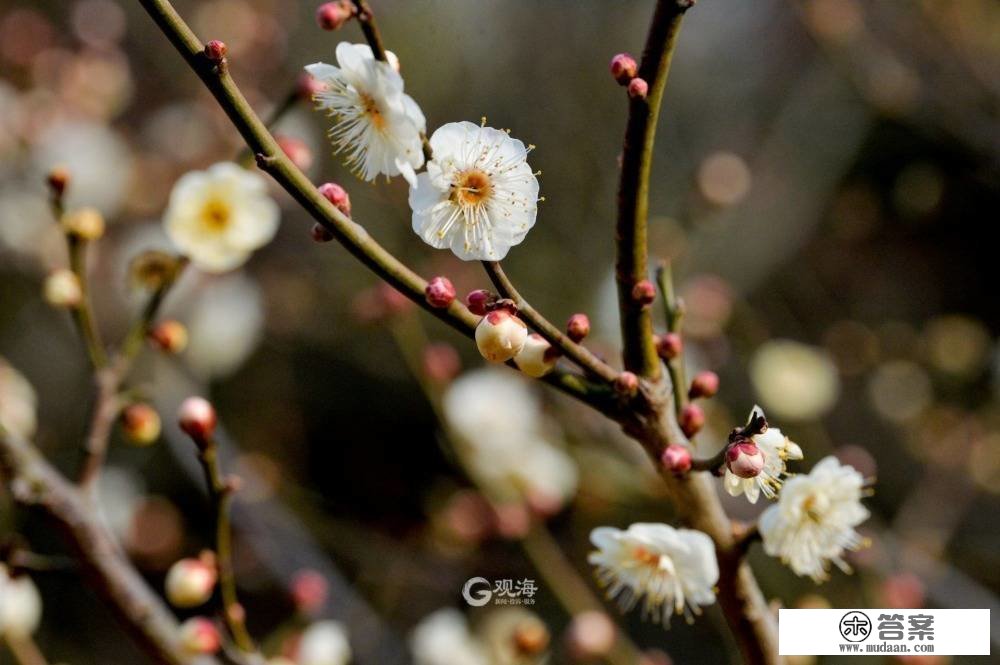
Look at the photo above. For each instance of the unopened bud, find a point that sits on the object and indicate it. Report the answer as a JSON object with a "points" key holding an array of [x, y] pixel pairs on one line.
{"points": [[477, 301], [170, 336], [676, 458], [439, 292], [578, 327], [704, 384], [62, 289], [320, 233], [691, 420], [627, 383], [85, 223], [197, 419], [669, 345], [309, 591], [336, 195], [308, 86], [332, 15], [638, 88], [500, 336], [623, 68], [644, 293], [531, 637], [199, 636], [745, 459], [190, 583], [296, 150], [141, 424], [441, 362], [58, 180], [590, 635], [537, 358], [215, 51]]}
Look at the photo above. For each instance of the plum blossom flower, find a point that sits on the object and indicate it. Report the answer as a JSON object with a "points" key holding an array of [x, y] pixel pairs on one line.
{"points": [[377, 125], [813, 521], [478, 196], [672, 570], [20, 605], [324, 643], [777, 450], [218, 217], [443, 638], [18, 402]]}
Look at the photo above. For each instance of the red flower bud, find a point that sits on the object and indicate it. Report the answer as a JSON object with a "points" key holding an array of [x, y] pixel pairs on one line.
{"points": [[669, 345], [198, 635], [623, 68], [578, 327], [141, 424], [58, 180], [692, 419], [627, 383], [745, 459], [644, 293], [309, 591], [332, 15], [336, 195], [320, 233], [704, 384], [197, 418], [170, 336], [441, 362], [478, 300], [676, 458], [440, 292], [638, 88], [215, 51], [296, 150]]}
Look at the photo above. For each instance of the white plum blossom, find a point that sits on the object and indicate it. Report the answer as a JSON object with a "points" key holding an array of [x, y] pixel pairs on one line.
{"points": [[218, 217], [673, 571], [813, 521], [377, 125], [443, 638], [478, 196], [20, 605], [777, 450], [324, 643]]}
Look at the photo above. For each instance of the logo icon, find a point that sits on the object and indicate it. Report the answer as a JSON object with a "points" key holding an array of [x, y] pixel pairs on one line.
{"points": [[855, 626], [482, 595]]}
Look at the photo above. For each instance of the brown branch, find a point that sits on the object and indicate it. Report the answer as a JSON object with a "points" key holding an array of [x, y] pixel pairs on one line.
{"points": [[638, 347], [368, 26], [34, 482]]}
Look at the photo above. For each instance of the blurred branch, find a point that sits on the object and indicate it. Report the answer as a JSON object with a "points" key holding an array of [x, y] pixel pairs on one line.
{"points": [[674, 311], [25, 651], [83, 314], [638, 347], [34, 482]]}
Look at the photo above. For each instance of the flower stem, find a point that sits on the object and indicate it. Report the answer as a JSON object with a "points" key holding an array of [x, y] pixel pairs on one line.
{"points": [[83, 314]]}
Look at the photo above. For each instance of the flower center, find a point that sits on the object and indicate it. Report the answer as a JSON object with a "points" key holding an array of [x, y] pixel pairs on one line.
{"points": [[645, 557], [215, 215], [814, 506], [472, 187], [372, 111]]}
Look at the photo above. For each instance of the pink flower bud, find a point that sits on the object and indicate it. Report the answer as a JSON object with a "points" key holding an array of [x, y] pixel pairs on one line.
{"points": [[308, 86], [441, 362], [644, 293], [297, 151], [169, 336], [190, 583], [676, 458], [309, 591], [198, 635], [141, 424], [439, 292], [578, 327], [320, 233], [623, 68], [704, 384], [197, 418], [513, 520], [669, 345], [58, 180], [745, 459], [336, 195], [215, 51], [332, 15], [590, 635], [500, 336], [536, 358], [478, 300], [62, 289], [627, 384], [691, 420], [638, 88], [531, 637]]}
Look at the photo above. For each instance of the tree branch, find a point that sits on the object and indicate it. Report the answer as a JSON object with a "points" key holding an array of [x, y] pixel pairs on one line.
{"points": [[368, 26], [83, 314], [639, 350], [674, 312]]}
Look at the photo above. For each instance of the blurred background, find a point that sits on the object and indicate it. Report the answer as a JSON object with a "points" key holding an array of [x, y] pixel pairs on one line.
{"points": [[825, 182]]}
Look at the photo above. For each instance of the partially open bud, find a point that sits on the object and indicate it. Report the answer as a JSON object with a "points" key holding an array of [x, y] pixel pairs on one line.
{"points": [[197, 418], [58, 180], [537, 358], [531, 637], [332, 15], [141, 424], [62, 289], [441, 362], [169, 336], [578, 327], [309, 591], [590, 634], [745, 459], [691, 420], [336, 195], [638, 88], [627, 383], [84, 223], [190, 582], [676, 458], [669, 345], [439, 292], [500, 336], [644, 293], [704, 384], [623, 68], [216, 51], [296, 150], [199, 636], [477, 301]]}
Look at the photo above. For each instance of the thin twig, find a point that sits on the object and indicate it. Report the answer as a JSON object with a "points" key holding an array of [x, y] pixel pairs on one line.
{"points": [[639, 349], [674, 313], [368, 26], [83, 314], [575, 352]]}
